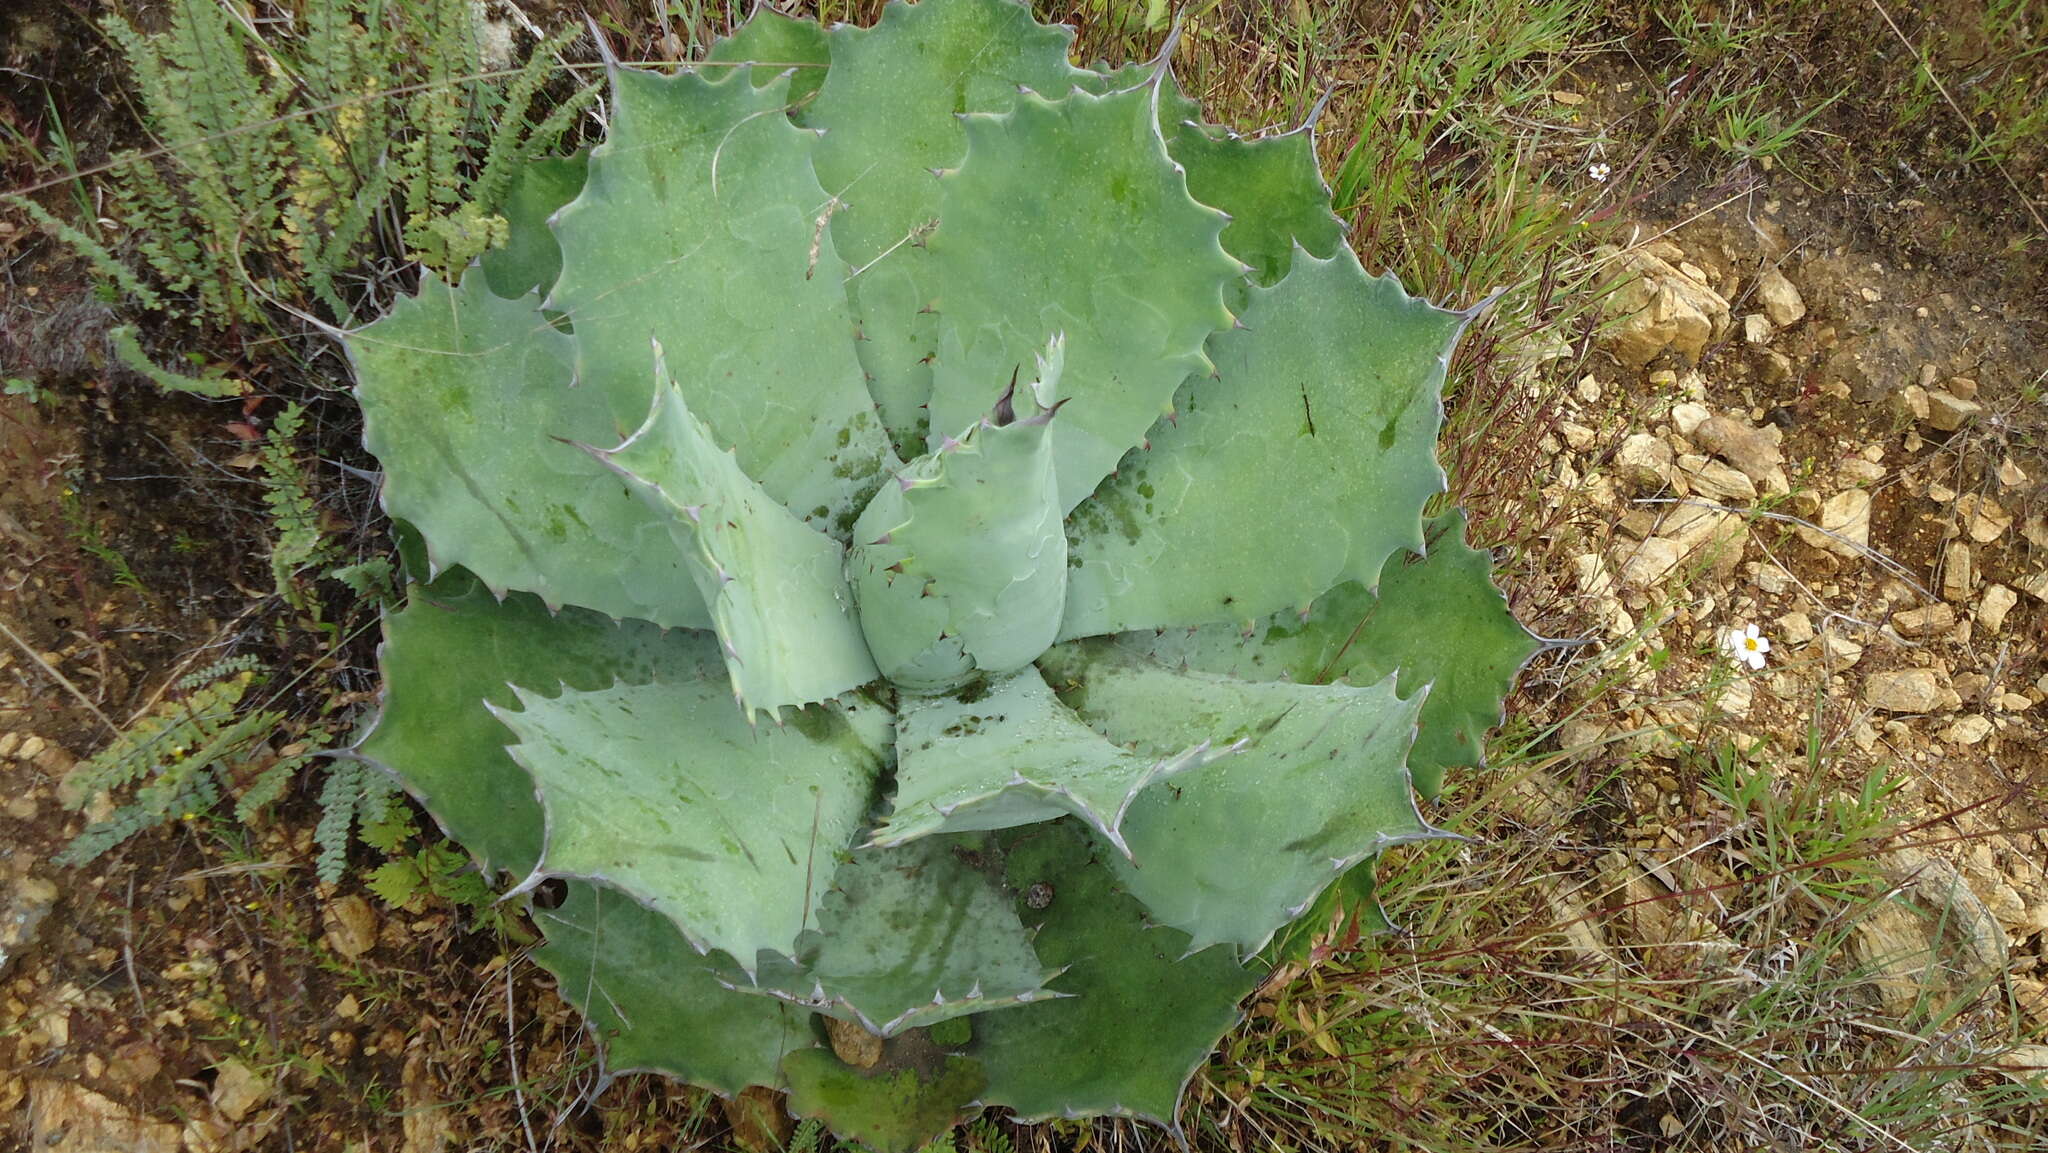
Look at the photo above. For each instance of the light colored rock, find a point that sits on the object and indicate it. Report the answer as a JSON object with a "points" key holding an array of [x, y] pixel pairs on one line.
{"points": [[2026, 1064], [1771, 579], [1576, 435], [1756, 329], [1967, 730], [25, 903], [1706, 534], [1737, 696], [1958, 572], [1795, 628], [1921, 622], [1750, 449], [1997, 601], [1645, 462], [1982, 518], [1594, 579], [1660, 308], [1904, 691], [427, 1123], [1846, 515], [2031, 998], [1688, 417], [67, 1118], [351, 928], [1894, 945], [2035, 586], [1651, 562], [1720, 482], [2011, 475], [1778, 298], [239, 1090], [1839, 651], [1911, 402], [1948, 412]]}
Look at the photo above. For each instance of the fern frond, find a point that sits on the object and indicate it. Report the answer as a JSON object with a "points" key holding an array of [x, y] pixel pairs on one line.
{"points": [[128, 351], [338, 796], [509, 146], [297, 541], [268, 786], [96, 254]]}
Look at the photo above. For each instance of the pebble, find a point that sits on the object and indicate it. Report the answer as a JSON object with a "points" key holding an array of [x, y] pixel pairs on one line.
{"points": [[1846, 515], [1714, 479], [24, 906], [1921, 622], [1750, 449], [1795, 628], [1904, 691], [1967, 730], [1778, 298], [1982, 518], [1958, 572], [238, 1089], [1649, 563], [351, 926], [1997, 601], [1645, 462], [2035, 586], [1911, 401], [1688, 417], [1948, 412]]}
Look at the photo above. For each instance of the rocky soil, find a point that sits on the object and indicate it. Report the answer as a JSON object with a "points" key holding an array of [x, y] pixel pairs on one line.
{"points": [[1798, 435]]}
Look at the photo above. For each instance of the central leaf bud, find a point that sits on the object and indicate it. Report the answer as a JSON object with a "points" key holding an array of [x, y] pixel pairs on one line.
{"points": [[960, 564]]}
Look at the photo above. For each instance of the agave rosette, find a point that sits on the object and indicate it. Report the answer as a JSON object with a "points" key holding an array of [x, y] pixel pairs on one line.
{"points": [[924, 535]]}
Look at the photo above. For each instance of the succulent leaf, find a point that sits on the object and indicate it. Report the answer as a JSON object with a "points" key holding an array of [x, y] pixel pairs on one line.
{"points": [[657, 1006], [1211, 854], [455, 647], [1315, 442], [1068, 216], [1438, 621], [776, 586], [893, 1108], [730, 834], [530, 259], [1269, 186], [1143, 1014], [1271, 189], [1014, 755], [890, 112], [464, 395], [776, 44], [702, 226], [962, 564], [909, 937]]}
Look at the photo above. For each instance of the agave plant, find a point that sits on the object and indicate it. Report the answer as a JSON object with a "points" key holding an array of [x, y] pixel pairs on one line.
{"points": [[927, 540]]}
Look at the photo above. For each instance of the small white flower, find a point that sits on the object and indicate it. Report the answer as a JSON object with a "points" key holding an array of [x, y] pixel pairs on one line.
{"points": [[1599, 172], [1745, 647]]}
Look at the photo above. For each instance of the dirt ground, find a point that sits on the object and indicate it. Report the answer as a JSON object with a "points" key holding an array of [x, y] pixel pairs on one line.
{"points": [[1849, 361]]}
